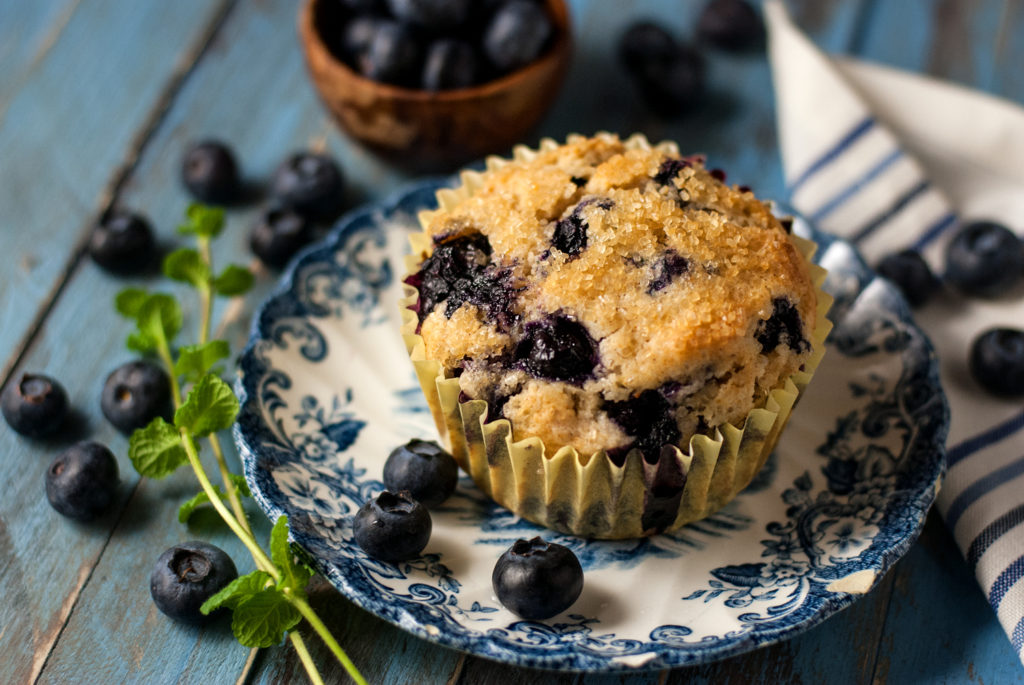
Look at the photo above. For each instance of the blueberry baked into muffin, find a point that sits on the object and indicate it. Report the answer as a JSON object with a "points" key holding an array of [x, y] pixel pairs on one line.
{"points": [[609, 336]]}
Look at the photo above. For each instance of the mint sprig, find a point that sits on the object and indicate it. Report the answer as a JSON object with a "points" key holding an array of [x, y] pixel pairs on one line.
{"points": [[268, 603]]}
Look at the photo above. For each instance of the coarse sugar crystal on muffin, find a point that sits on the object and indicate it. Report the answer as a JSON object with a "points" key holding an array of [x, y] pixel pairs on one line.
{"points": [[605, 298]]}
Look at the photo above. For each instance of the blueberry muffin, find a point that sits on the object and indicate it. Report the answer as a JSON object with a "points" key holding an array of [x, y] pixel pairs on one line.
{"points": [[611, 306]]}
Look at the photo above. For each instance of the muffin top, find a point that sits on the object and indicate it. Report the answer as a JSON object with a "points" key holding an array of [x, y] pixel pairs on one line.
{"points": [[608, 296]]}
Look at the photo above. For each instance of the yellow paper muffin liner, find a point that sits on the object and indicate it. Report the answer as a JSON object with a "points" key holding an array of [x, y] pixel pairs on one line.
{"points": [[589, 495]]}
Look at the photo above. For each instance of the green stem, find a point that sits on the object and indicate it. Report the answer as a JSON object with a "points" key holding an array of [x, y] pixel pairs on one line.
{"points": [[205, 294], [206, 313], [164, 351], [262, 561], [325, 635], [229, 485], [304, 656]]}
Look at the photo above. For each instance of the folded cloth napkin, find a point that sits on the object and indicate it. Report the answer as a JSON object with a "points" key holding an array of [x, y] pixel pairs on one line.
{"points": [[890, 160]]}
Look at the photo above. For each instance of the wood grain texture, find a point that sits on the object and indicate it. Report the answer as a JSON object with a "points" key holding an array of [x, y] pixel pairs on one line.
{"points": [[73, 592], [93, 81]]}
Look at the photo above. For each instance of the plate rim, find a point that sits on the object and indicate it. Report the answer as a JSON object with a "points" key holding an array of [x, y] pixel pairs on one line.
{"points": [[667, 656]]}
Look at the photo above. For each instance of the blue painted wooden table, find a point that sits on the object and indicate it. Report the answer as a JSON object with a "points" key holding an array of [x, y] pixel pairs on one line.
{"points": [[98, 99]]}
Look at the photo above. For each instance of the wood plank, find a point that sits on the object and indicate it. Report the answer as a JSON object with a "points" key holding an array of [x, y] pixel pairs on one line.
{"points": [[949, 39], [260, 101], [28, 30], [47, 196], [1009, 50], [95, 79], [940, 628]]}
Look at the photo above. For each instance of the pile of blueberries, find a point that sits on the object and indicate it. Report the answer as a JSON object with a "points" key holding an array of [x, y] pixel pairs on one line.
{"points": [[436, 44], [983, 260], [669, 74], [534, 579]]}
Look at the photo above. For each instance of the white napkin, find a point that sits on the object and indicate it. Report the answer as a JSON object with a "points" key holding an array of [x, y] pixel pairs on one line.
{"points": [[891, 160]]}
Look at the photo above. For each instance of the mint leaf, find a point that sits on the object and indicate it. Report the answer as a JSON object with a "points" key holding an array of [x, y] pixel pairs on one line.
{"points": [[156, 450], [203, 221], [186, 510], [236, 591], [211, 406], [129, 301], [187, 266], [195, 360], [239, 481], [261, 619], [159, 318], [293, 576], [234, 280], [137, 342]]}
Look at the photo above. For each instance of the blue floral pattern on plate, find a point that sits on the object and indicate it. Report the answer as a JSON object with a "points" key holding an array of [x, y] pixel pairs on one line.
{"points": [[327, 392]]}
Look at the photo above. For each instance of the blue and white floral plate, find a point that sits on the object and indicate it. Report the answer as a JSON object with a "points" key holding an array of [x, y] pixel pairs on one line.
{"points": [[328, 391]]}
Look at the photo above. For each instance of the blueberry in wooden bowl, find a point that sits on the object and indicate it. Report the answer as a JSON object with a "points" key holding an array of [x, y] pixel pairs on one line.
{"points": [[399, 88]]}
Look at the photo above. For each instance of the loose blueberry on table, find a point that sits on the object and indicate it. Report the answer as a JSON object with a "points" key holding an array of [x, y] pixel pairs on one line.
{"points": [[911, 274], [311, 184], [33, 404], [134, 394], [668, 74], [985, 259], [210, 172], [730, 25], [81, 482], [997, 361], [187, 575], [278, 234], [392, 527], [428, 473], [122, 242], [535, 579]]}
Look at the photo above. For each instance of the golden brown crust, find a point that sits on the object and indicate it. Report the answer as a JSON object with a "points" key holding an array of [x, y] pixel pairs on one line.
{"points": [[696, 333]]}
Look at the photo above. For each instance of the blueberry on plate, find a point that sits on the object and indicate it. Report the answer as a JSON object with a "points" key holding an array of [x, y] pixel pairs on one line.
{"points": [[436, 15], [535, 579], [911, 274], [985, 259], [997, 361], [134, 394], [33, 404], [210, 173], [450, 64], [517, 34], [122, 242], [311, 184], [187, 575], [424, 470], [82, 481], [393, 56], [277, 235], [392, 527], [730, 25]]}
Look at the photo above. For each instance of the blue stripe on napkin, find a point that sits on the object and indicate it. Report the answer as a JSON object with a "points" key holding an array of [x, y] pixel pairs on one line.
{"points": [[843, 196], [1005, 581], [833, 153], [980, 488], [995, 434], [993, 532]]}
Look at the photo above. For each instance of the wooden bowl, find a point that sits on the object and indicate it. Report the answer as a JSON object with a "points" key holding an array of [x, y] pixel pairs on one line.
{"points": [[436, 130]]}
